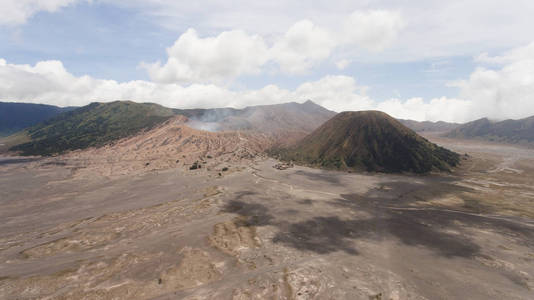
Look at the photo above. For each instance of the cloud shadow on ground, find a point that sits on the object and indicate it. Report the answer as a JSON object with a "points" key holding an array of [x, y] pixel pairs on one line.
{"points": [[390, 216]]}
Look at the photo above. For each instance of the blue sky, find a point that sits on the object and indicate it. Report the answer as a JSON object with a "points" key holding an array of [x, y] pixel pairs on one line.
{"points": [[108, 42], [100, 40], [346, 55]]}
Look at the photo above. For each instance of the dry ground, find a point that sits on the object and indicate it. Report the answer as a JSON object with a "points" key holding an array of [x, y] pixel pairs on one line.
{"points": [[70, 231]]}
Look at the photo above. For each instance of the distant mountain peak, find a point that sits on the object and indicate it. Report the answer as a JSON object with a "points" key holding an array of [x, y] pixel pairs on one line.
{"points": [[310, 103]]}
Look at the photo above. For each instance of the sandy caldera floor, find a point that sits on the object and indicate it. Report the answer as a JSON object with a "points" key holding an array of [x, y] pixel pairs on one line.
{"points": [[255, 232]]}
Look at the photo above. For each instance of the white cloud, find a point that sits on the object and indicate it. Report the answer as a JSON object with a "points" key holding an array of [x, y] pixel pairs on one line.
{"points": [[211, 59], [15, 12], [437, 109], [433, 28], [342, 64], [524, 53], [502, 87], [507, 92], [504, 92], [230, 54], [338, 93], [373, 30], [303, 45], [49, 82], [501, 94]]}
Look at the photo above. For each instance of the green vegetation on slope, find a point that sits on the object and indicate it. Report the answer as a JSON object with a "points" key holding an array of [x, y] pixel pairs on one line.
{"points": [[93, 125], [12, 140], [371, 141]]}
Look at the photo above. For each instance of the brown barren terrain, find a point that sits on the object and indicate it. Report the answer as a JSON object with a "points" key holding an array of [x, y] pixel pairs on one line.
{"points": [[132, 221]]}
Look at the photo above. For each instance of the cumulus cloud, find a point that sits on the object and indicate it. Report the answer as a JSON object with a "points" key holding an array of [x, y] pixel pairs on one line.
{"points": [[211, 59], [222, 58], [337, 93], [303, 45], [49, 82], [373, 30], [501, 88], [438, 28], [14, 12], [500, 93], [505, 91]]}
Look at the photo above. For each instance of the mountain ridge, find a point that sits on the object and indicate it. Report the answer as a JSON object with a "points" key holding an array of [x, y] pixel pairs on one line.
{"points": [[429, 126], [92, 125], [264, 118], [519, 131], [15, 116], [97, 124]]}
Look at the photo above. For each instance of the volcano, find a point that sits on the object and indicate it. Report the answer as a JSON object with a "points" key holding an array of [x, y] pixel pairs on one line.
{"points": [[369, 141]]}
